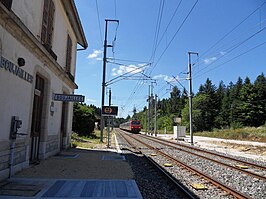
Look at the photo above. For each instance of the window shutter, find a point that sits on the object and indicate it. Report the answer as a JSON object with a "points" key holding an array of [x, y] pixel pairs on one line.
{"points": [[45, 20], [68, 54], [50, 24]]}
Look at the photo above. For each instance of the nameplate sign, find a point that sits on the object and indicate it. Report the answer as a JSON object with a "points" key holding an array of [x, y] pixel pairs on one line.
{"points": [[68, 98], [16, 70]]}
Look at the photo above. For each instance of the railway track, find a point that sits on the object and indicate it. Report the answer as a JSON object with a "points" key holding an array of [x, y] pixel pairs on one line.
{"points": [[182, 190], [227, 161], [185, 158]]}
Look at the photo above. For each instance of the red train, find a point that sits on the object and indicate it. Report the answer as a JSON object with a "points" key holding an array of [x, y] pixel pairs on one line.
{"points": [[133, 126]]}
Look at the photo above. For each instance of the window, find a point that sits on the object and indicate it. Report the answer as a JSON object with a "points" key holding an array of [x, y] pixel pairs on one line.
{"points": [[68, 54], [7, 3], [47, 23]]}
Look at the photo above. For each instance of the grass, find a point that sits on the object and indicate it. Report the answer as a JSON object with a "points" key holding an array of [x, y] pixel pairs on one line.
{"points": [[88, 142], [245, 134]]}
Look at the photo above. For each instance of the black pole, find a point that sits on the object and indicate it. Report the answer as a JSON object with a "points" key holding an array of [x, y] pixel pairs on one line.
{"points": [[104, 71]]}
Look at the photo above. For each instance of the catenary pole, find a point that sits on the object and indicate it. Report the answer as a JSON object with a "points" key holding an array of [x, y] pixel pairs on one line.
{"points": [[190, 96], [104, 71], [155, 116], [149, 109]]}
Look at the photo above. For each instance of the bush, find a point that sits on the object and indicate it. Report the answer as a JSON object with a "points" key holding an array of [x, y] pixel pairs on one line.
{"points": [[236, 125]]}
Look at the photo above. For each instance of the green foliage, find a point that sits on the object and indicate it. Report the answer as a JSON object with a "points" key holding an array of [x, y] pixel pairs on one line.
{"points": [[83, 119], [165, 122], [233, 106], [236, 125], [247, 133]]}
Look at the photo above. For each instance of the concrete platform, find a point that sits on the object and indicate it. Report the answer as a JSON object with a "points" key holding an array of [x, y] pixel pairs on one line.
{"points": [[76, 188], [76, 173]]}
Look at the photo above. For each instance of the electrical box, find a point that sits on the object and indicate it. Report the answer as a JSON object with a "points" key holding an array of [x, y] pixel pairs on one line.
{"points": [[16, 123]]}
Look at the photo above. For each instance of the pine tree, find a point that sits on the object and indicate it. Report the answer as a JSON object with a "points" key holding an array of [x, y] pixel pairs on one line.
{"points": [[259, 102], [207, 106], [246, 107]]}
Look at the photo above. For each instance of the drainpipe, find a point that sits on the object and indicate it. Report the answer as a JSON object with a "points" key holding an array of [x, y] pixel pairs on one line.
{"points": [[12, 147]]}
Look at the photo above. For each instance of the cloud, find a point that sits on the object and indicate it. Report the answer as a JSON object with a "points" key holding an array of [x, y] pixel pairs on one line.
{"points": [[210, 60], [222, 53], [160, 76], [130, 69], [91, 100], [95, 55], [166, 78]]}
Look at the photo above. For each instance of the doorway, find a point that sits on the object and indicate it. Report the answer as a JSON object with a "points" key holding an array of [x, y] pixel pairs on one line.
{"points": [[36, 123], [63, 125]]}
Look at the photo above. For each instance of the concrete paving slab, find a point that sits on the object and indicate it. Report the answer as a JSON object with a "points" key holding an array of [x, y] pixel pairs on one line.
{"points": [[79, 188]]}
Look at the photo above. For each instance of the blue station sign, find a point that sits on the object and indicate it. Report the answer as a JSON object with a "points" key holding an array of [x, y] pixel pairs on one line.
{"points": [[68, 98]]}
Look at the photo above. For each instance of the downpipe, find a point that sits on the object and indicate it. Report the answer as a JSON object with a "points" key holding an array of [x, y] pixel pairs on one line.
{"points": [[11, 161]]}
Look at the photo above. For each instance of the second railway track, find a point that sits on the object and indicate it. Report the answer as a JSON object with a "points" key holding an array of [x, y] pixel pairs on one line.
{"points": [[229, 180]]}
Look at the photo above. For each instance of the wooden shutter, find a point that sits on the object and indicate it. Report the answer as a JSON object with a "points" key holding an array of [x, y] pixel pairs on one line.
{"points": [[45, 20], [68, 54], [48, 23], [7, 3], [50, 29]]}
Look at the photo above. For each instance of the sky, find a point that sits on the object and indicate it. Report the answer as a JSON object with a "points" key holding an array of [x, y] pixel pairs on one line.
{"points": [[150, 46]]}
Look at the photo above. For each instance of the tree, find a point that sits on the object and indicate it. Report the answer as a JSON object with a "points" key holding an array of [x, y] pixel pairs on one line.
{"points": [[83, 119], [219, 100], [207, 104], [175, 101], [198, 123], [260, 100]]}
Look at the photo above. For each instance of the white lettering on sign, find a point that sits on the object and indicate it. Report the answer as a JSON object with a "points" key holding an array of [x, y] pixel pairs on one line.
{"points": [[68, 98]]}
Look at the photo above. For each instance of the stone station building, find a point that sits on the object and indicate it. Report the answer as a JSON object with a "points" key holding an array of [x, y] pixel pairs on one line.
{"points": [[38, 46]]}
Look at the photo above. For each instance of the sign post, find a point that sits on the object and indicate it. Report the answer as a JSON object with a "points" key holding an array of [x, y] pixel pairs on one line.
{"points": [[109, 111]]}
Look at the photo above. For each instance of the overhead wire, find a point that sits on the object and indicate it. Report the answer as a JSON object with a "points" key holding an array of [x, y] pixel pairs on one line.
{"points": [[115, 8], [158, 26], [229, 50], [220, 50], [232, 59], [155, 43], [138, 84], [181, 25], [99, 23], [228, 33], [234, 28], [173, 15]]}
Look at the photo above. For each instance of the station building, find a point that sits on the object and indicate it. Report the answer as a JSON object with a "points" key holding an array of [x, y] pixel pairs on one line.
{"points": [[38, 45]]}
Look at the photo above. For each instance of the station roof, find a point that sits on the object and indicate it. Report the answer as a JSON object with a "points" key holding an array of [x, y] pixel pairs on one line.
{"points": [[72, 13]]}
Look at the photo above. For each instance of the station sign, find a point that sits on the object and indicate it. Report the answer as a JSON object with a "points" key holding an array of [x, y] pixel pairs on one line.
{"points": [[110, 110], [68, 98]]}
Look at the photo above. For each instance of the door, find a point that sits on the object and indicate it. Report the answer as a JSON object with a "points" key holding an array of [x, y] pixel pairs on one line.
{"points": [[36, 123], [63, 125]]}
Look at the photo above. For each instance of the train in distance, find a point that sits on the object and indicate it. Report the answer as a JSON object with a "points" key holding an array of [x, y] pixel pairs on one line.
{"points": [[133, 126]]}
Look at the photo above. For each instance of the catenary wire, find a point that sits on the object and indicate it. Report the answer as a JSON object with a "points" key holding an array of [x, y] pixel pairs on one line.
{"points": [[231, 59], [99, 22], [183, 22]]}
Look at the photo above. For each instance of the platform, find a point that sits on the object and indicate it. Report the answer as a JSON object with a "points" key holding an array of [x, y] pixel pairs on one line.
{"points": [[76, 173]]}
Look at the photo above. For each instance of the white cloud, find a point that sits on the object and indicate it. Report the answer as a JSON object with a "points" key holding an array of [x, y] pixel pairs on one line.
{"points": [[222, 53], [130, 69], [91, 100], [210, 60], [160, 76], [95, 55], [166, 78]]}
